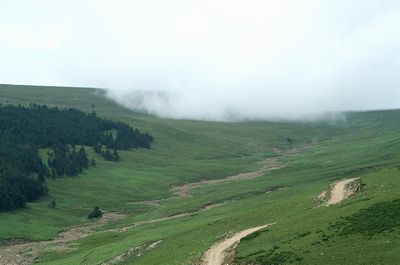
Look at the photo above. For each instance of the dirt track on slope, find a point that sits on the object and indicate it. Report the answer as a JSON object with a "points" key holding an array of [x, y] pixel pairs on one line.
{"points": [[269, 164], [218, 253], [23, 253], [175, 216], [340, 192], [137, 251]]}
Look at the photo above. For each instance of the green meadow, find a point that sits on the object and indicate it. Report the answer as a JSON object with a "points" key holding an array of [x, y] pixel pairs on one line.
{"points": [[364, 229]]}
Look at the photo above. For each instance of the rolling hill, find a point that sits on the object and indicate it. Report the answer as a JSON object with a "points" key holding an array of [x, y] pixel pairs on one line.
{"points": [[202, 182]]}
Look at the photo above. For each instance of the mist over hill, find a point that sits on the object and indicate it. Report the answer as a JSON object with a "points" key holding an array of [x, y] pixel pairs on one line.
{"points": [[200, 132], [214, 60]]}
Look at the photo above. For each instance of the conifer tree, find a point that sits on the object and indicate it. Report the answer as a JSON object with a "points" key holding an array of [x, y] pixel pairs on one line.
{"points": [[116, 156], [107, 155], [83, 160]]}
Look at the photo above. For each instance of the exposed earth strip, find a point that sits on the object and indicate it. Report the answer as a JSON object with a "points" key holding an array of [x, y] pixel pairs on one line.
{"points": [[218, 253]]}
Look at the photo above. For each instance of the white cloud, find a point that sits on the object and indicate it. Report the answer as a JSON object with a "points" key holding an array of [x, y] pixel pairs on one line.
{"points": [[211, 59]]}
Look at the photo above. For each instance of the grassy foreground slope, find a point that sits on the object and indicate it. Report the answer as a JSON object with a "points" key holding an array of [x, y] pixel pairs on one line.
{"points": [[366, 145]]}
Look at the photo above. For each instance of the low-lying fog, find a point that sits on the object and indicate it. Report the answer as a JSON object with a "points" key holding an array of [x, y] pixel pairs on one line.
{"points": [[211, 59]]}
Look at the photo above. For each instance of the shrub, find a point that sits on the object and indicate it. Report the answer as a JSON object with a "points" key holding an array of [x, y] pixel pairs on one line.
{"points": [[96, 213]]}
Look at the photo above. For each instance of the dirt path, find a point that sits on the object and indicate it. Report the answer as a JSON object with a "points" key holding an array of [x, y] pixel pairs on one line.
{"points": [[269, 164], [126, 228], [137, 251], [24, 253], [218, 253], [184, 191], [151, 203], [341, 191]]}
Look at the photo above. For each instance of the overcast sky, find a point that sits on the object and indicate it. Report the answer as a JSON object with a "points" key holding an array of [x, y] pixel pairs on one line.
{"points": [[210, 59]]}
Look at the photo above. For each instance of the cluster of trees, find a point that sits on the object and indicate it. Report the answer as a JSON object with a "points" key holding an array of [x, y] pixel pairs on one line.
{"points": [[106, 154], [67, 161], [17, 164], [64, 132], [50, 126]]}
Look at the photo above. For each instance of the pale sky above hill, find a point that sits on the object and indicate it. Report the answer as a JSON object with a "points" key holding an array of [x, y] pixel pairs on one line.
{"points": [[210, 59]]}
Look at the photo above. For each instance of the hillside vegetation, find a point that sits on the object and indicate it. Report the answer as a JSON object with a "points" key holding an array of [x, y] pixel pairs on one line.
{"points": [[297, 161], [26, 130]]}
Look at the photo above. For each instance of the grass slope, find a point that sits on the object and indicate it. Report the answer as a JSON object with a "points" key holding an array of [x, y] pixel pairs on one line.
{"points": [[365, 144]]}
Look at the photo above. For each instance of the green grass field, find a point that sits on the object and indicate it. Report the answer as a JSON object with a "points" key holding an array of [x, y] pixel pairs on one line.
{"points": [[362, 230]]}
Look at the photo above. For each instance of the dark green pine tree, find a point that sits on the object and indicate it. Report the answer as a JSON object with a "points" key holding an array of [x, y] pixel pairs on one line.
{"points": [[83, 160], [116, 156], [108, 155], [72, 167], [53, 174], [41, 178], [43, 174], [97, 148]]}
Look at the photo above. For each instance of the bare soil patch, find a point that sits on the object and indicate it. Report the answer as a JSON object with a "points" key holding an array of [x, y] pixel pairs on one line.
{"points": [[23, 253], [343, 189], [219, 253]]}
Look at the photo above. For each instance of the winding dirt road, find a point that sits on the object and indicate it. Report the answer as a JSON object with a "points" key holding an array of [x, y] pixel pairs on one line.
{"points": [[152, 221], [184, 191], [269, 164], [218, 254]]}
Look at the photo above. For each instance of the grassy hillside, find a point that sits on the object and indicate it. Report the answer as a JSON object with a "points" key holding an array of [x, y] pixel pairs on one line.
{"points": [[365, 144]]}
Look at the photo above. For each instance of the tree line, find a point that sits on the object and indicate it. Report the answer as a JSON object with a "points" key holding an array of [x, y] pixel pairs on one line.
{"points": [[63, 132]]}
